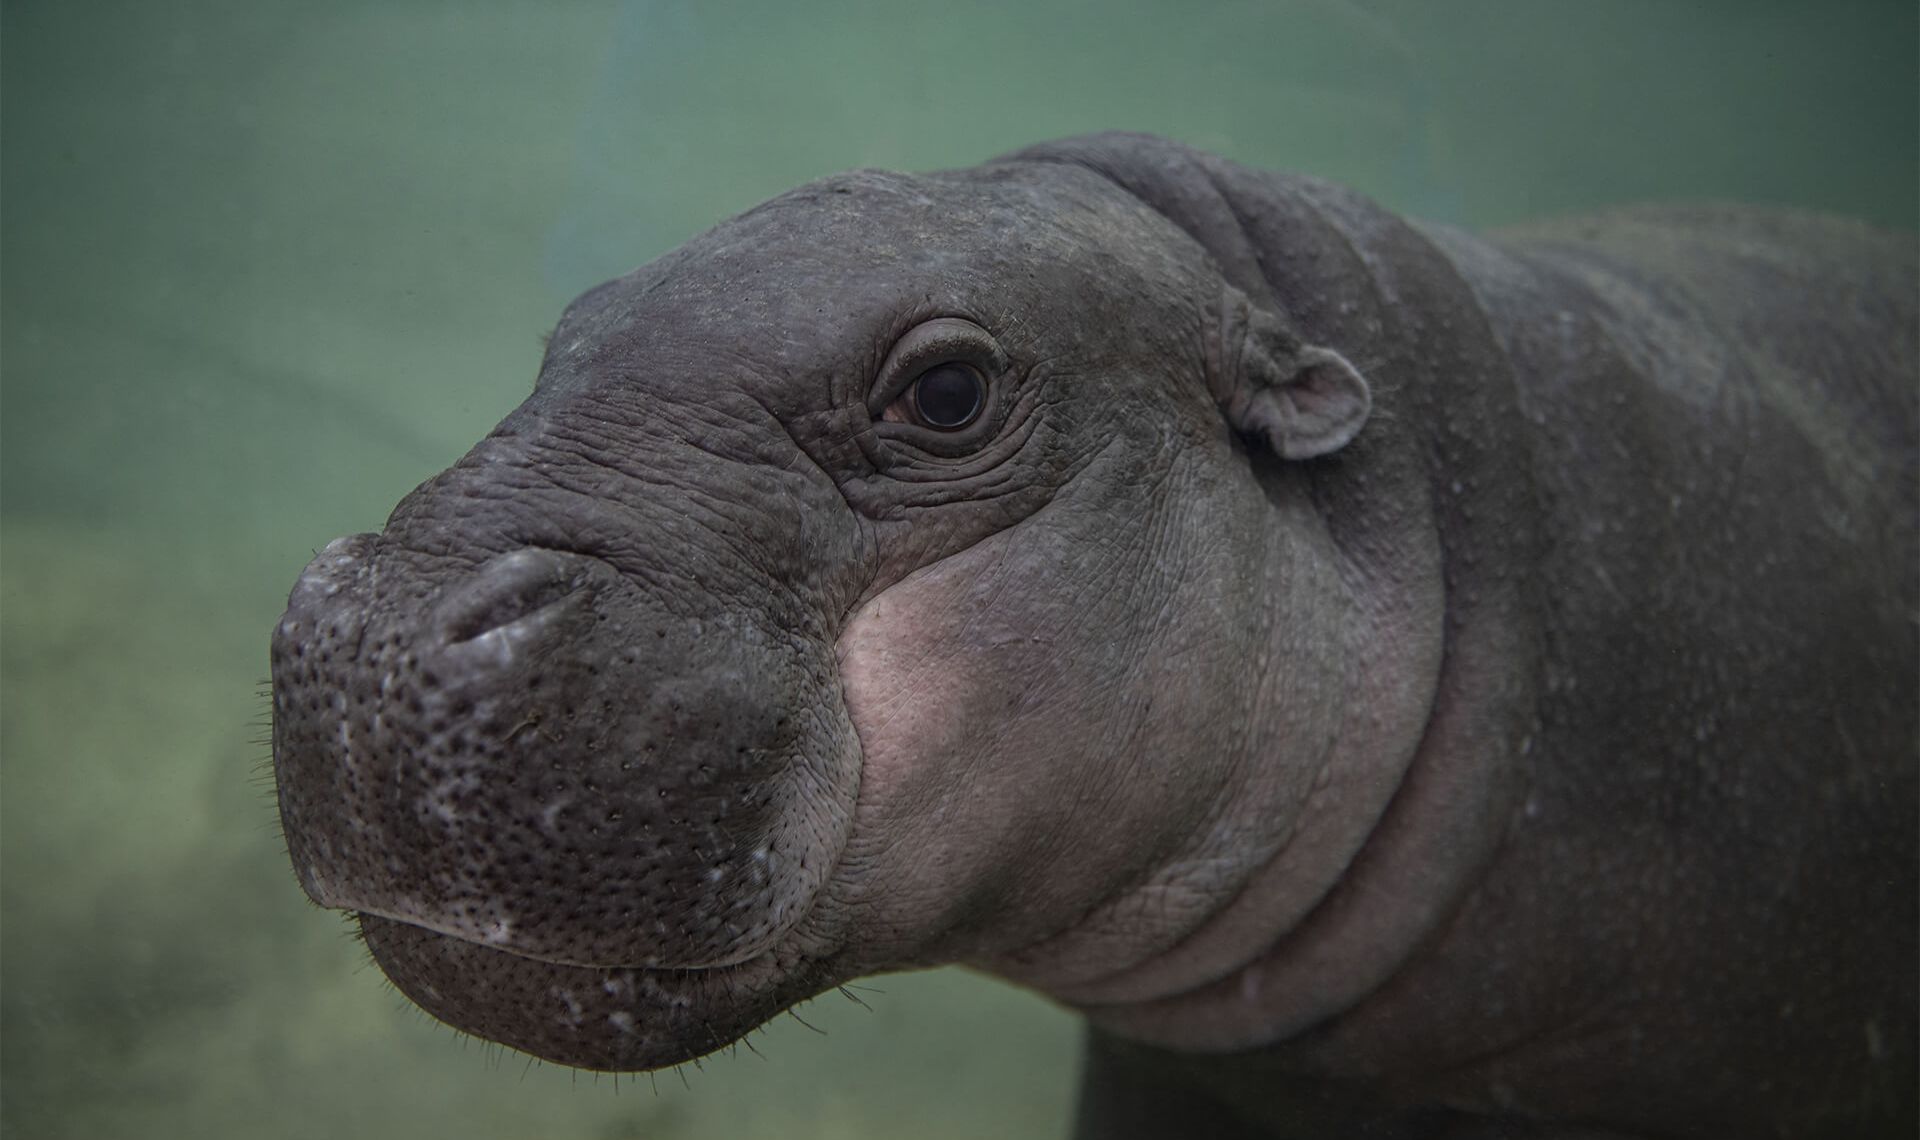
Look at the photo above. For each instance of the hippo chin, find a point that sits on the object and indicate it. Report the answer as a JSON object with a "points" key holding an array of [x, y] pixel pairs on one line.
{"points": [[1392, 682]]}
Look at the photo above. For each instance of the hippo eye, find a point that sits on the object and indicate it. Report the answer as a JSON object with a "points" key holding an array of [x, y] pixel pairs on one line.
{"points": [[948, 397], [938, 394]]}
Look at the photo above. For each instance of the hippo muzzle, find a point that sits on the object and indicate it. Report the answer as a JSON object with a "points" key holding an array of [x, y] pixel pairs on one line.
{"points": [[552, 778]]}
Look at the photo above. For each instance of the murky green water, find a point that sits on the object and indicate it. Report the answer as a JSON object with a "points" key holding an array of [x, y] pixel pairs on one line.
{"points": [[268, 264]]}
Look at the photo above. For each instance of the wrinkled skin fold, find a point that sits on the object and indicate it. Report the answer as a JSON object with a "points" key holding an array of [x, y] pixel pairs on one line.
{"points": [[1392, 681]]}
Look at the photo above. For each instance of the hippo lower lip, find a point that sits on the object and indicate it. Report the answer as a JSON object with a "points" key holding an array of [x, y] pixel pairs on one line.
{"points": [[616, 1019]]}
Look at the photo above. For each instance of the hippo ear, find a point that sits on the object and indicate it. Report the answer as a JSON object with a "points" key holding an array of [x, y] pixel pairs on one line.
{"points": [[1298, 399], [1302, 400]]}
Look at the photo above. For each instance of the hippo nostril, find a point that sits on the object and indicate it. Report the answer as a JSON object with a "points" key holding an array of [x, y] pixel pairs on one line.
{"points": [[507, 589]]}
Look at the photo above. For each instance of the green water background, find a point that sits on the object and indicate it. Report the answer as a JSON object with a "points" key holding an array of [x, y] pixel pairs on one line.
{"points": [[265, 265]]}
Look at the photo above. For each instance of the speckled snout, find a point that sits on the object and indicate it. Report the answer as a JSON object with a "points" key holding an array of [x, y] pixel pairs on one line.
{"points": [[535, 753]]}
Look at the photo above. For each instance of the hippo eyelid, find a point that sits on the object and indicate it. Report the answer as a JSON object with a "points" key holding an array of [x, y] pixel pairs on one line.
{"points": [[942, 340]]}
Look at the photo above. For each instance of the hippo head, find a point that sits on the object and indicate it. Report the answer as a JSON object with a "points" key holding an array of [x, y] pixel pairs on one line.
{"points": [[887, 577]]}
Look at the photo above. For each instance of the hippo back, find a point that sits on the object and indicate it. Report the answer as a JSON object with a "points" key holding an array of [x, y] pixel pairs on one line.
{"points": [[1723, 449]]}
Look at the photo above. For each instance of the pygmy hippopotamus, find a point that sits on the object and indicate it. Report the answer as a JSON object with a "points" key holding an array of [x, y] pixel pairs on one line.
{"points": [[1392, 682]]}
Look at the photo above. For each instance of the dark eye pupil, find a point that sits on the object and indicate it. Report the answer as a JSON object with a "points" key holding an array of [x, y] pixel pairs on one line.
{"points": [[948, 396]]}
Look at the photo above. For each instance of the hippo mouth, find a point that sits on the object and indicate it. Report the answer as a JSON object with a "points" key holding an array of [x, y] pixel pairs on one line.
{"points": [[605, 1018]]}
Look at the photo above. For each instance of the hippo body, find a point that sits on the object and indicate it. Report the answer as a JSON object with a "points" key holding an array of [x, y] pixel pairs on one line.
{"points": [[1394, 682]]}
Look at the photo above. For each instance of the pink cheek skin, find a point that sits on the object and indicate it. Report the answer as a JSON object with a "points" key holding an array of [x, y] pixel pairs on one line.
{"points": [[904, 692], [923, 668], [909, 690]]}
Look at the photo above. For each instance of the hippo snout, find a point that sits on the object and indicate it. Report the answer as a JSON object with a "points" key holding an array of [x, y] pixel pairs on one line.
{"points": [[538, 754]]}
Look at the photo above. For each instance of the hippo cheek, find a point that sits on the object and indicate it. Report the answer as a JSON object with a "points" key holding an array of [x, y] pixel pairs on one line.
{"points": [[973, 738], [542, 759]]}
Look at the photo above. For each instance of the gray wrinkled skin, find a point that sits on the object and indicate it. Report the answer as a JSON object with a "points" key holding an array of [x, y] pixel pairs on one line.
{"points": [[1395, 683]]}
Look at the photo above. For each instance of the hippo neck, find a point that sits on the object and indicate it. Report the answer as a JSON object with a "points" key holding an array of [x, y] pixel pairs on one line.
{"points": [[1430, 517]]}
